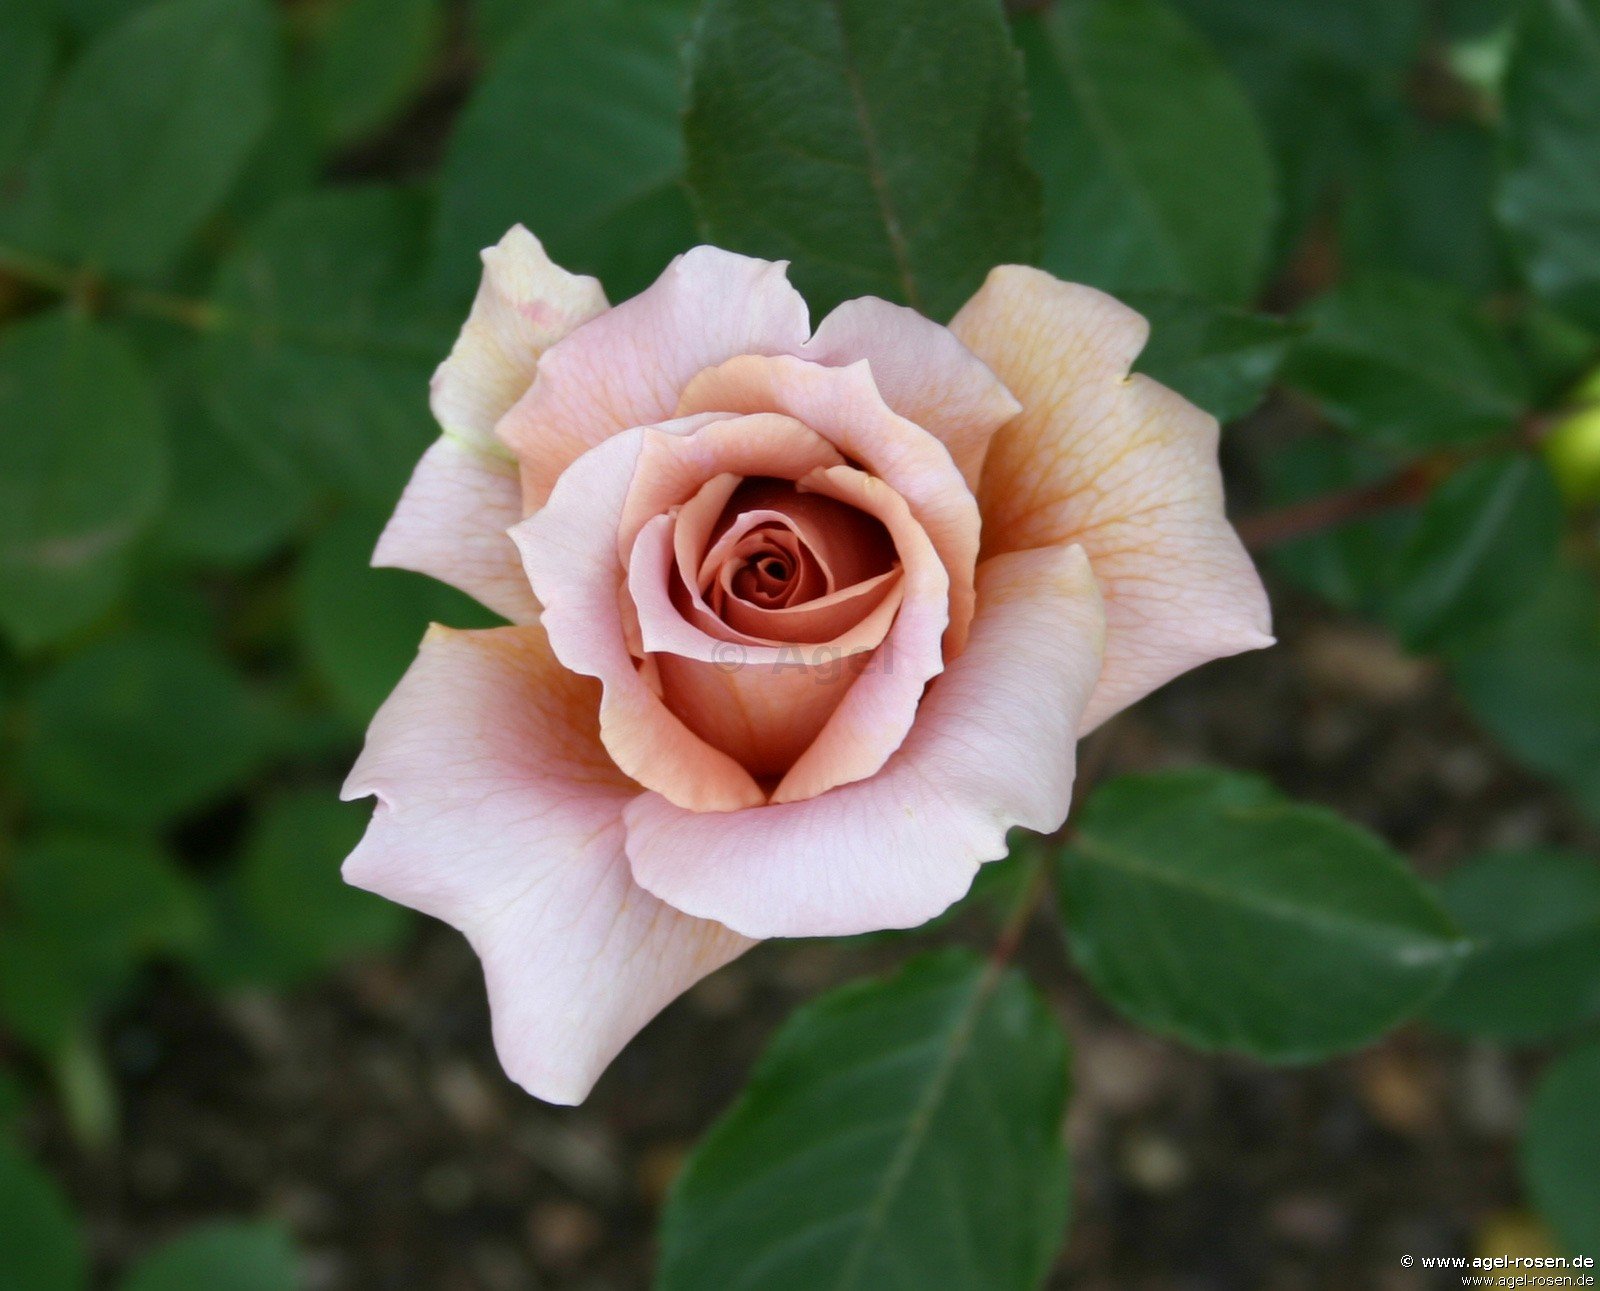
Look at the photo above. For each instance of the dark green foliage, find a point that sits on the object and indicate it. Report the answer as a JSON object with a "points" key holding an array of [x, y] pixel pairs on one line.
{"points": [[901, 1133], [878, 144]]}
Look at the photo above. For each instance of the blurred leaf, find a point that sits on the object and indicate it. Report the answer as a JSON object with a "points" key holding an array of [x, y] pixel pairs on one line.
{"points": [[1350, 565], [325, 340], [286, 913], [139, 728], [1207, 906], [496, 23], [81, 471], [1219, 358], [40, 1247], [1366, 35], [14, 1100], [1423, 204], [111, 902], [1561, 1145], [1321, 73], [1550, 196], [1407, 364], [575, 132], [1487, 535], [286, 161], [1534, 681], [148, 133], [878, 144], [230, 504], [91, 17], [30, 58], [43, 1000], [902, 1132], [361, 626], [86, 1089], [368, 59], [1534, 921], [1156, 173], [226, 1256]]}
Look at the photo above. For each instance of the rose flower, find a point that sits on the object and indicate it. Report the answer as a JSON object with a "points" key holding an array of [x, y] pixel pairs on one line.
{"points": [[802, 622]]}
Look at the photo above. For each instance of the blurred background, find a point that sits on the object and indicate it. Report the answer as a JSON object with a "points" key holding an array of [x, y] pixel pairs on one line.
{"points": [[235, 238]]}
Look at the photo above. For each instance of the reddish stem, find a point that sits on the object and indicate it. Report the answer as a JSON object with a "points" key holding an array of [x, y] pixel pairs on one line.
{"points": [[1329, 510]]}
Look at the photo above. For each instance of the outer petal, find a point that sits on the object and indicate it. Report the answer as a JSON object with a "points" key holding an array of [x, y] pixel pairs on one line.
{"points": [[993, 747], [843, 405], [499, 812], [452, 519], [627, 367], [1119, 464], [569, 550], [922, 372], [451, 524], [525, 304]]}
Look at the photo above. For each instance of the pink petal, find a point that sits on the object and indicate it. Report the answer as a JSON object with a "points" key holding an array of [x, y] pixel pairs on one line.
{"points": [[993, 747], [680, 458], [762, 704], [451, 524], [569, 551], [922, 372], [873, 718], [499, 812], [821, 619], [1119, 464], [627, 367], [525, 304], [844, 407]]}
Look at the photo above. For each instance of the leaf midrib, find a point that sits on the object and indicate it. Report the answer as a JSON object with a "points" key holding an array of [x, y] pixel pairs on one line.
{"points": [[1375, 933]]}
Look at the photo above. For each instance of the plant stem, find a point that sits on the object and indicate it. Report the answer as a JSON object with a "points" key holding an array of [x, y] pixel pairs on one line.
{"points": [[1269, 529], [1408, 486]]}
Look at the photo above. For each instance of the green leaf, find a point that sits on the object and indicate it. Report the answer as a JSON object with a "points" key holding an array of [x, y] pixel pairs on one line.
{"points": [[1319, 72], [286, 914], [903, 1133], [877, 144], [40, 1247], [1220, 358], [1422, 204], [1550, 193], [1487, 535], [1534, 681], [361, 626], [368, 59], [148, 133], [1145, 186], [1561, 1145], [42, 1000], [30, 58], [228, 505], [1364, 35], [1407, 364], [1205, 905], [82, 470], [110, 901], [138, 729], [1534, 921], [89, 18], [575, 132], [1350, 565], [324, 340], [14, 1100], [227, 1256]]}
